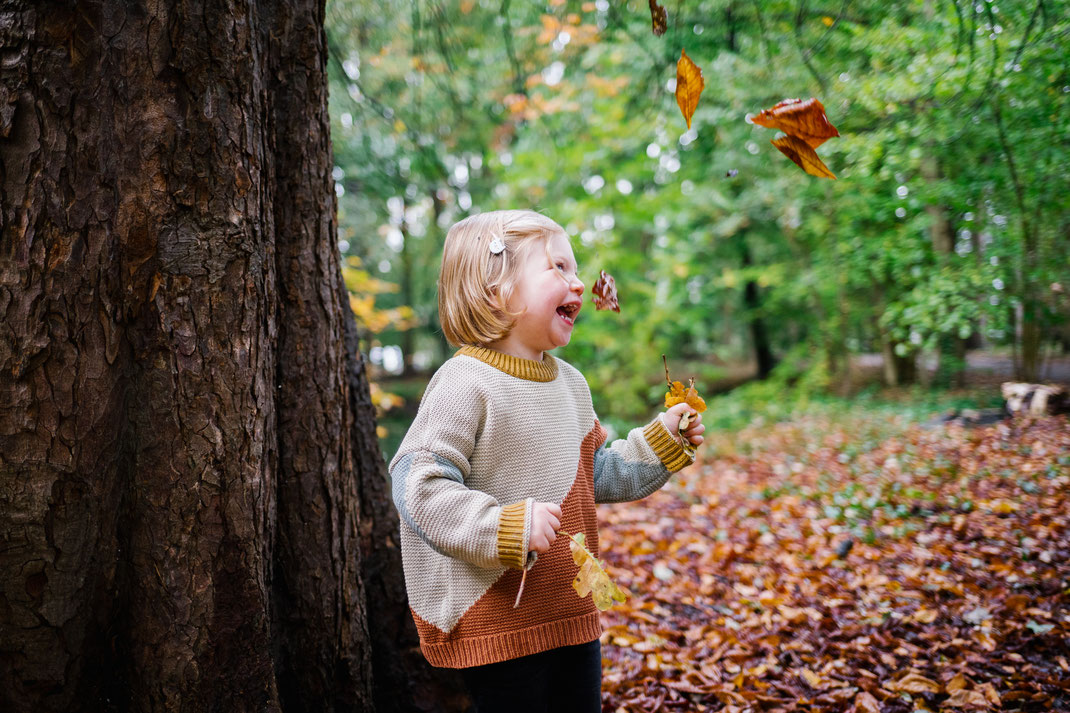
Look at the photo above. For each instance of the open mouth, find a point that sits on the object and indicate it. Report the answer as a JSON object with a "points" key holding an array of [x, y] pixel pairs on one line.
{"points": [[568, 313]]}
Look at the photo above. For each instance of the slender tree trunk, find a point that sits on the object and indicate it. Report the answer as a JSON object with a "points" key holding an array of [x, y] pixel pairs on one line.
{"points": [[763, 353], [188, 467], [951, 348]]}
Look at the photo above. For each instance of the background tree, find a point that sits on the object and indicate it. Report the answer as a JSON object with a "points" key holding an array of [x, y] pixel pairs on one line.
{"points": [[194, 508]]}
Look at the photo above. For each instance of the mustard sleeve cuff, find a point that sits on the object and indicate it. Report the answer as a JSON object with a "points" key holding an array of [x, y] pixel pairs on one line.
{"points": [[673, 455], [512, 535]]}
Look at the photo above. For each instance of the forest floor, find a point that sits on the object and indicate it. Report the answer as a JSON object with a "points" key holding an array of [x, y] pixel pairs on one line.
{"points": [[851, 561]]}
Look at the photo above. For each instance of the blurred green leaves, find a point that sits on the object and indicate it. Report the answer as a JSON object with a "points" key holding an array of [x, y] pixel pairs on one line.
{"points": [[954, 132]]}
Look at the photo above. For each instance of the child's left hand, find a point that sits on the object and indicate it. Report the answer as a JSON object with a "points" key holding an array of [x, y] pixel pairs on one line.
{"points": [[671, 420]]}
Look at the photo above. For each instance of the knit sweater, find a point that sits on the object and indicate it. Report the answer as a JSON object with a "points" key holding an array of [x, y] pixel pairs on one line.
{"points": [[494, 434]]}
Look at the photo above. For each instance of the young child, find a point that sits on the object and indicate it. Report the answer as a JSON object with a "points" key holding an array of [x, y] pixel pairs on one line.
{"points": [[504, 452]]}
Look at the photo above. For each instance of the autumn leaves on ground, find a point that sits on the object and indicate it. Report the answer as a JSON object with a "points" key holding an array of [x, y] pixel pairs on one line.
{"points": [[848, 563]]}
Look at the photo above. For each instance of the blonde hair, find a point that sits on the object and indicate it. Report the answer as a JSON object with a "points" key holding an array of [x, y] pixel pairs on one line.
{"points": [[475, 284]]}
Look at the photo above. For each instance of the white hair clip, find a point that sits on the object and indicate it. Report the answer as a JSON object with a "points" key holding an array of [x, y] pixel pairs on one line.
{"points": [[497, 246]]}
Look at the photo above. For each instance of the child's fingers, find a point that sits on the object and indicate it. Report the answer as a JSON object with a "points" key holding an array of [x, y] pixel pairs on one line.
{"points": [[679, 410]]}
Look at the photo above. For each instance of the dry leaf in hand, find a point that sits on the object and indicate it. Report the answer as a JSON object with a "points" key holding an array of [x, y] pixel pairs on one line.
{"points": [[804, 156], [604, 292], [678, 394], [592, 578], [689, 85], [804, 120], [659, 18]]}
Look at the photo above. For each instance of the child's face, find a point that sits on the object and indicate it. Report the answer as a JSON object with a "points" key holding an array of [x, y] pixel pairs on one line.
{"points": [[549, 295]]}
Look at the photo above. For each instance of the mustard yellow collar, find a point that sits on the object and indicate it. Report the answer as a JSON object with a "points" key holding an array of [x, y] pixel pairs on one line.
{"points": [[545, 370]]}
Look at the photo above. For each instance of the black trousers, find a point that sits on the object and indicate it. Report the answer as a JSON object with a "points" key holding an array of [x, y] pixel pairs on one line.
{"points": [[563, 680]]}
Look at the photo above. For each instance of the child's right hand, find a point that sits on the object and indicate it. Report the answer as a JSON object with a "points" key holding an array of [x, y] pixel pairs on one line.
{"points": [[545, 521]]}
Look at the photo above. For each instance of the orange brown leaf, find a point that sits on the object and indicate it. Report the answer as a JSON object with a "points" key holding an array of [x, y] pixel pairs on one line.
{"points": [[659, 18], [800, 152], [604, 292], [804, 120], [689, 85]]}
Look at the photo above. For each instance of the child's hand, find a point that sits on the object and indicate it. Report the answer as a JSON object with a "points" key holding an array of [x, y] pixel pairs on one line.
{"points": [[545, 522], [671, 420]]}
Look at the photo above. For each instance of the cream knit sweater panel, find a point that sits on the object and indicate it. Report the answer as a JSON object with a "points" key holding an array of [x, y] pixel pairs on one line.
{"points": [[492, 435]]}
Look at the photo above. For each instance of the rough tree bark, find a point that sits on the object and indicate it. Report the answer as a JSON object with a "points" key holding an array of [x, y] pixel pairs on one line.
{"points": [[188, 463]]}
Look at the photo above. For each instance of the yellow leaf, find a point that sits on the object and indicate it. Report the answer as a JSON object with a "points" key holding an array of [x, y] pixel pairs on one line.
{"points": [[990, 693], [592, 579], [985, 640], [958, 683], [925, 616], [811, 678], [914, 682], [689, 85], [792, 614], [805, 157]]}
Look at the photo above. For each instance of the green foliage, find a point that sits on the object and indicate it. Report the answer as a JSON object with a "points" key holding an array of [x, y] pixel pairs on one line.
{"points": [[954, 126]]}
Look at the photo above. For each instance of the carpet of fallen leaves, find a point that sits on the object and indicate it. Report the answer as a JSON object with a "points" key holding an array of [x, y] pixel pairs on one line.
{"points": [[863, 564]]}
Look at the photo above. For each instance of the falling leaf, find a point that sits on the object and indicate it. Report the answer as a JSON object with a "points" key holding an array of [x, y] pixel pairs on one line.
{"points": [[806, 127], [604, 292], [804, 120], [801, 153], [592, 578], [689, 85], [659, 17]]}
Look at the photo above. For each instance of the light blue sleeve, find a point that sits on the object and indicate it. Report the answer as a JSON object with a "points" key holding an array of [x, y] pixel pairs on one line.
{"points": [[632, 468]]}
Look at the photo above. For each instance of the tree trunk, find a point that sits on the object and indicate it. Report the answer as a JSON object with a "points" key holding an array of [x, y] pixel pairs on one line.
{"points": [[951, 349], [186, 477], [763, 353]]}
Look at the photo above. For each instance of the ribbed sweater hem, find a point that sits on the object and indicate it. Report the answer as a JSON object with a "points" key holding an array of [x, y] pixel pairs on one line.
{"points": [[492, 648]]}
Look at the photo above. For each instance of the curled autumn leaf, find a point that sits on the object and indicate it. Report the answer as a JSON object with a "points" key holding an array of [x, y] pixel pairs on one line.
{"points": [[689, 85], [806, 127], [592, 578], [659, 18], [805, 157], [804, 120], [604, 292]]}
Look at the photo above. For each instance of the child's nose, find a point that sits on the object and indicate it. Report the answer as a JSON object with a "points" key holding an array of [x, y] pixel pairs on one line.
{"points": [[577, 285]]}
